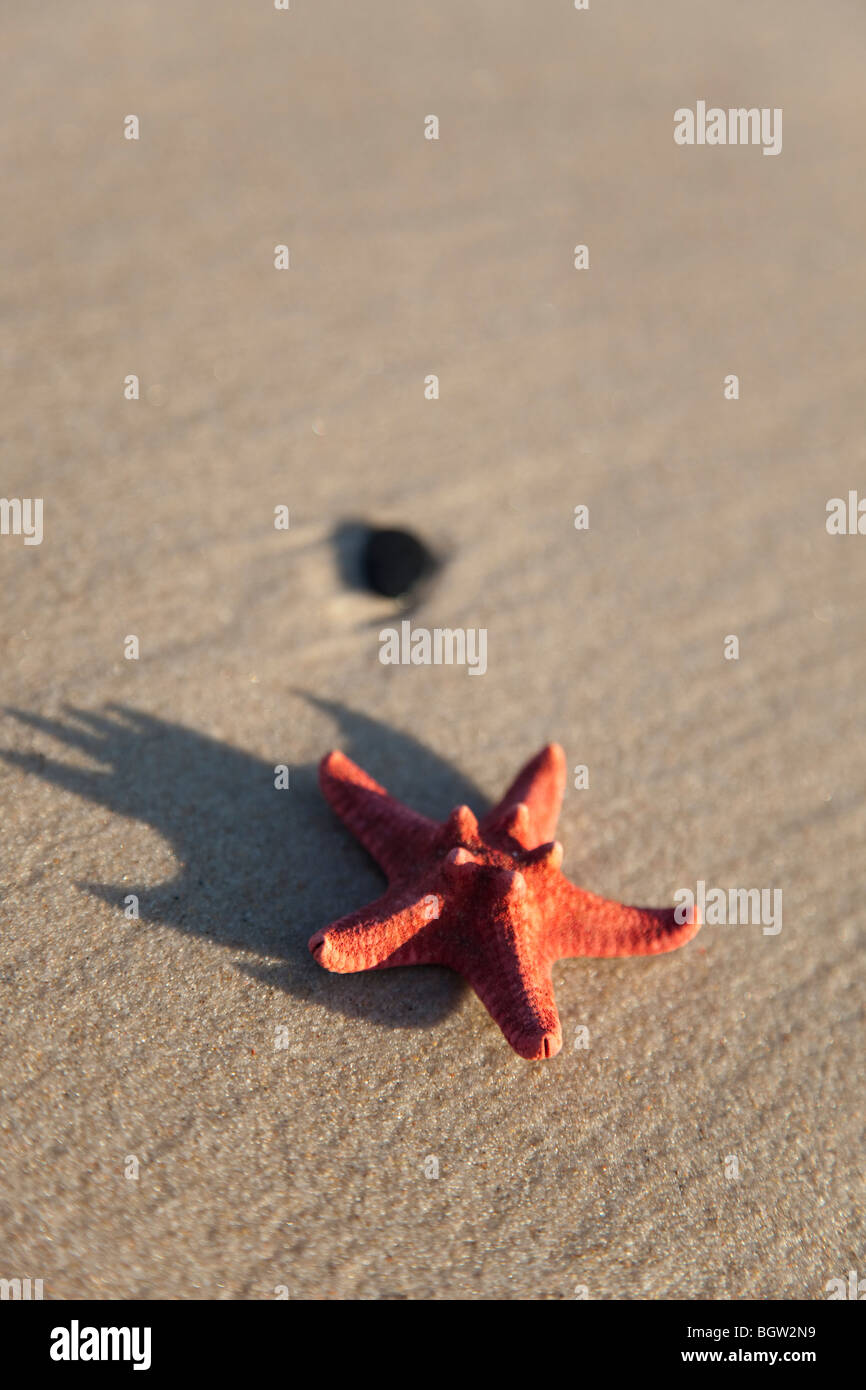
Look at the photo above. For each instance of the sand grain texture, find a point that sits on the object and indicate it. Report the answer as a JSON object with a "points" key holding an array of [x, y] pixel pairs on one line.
{"points": [[155, 1038]]}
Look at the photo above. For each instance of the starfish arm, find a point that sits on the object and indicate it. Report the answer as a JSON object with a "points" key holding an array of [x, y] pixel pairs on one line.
{"points": [[538, 788], [378, 934], [396, 837], [519, 997], [583, 924]]}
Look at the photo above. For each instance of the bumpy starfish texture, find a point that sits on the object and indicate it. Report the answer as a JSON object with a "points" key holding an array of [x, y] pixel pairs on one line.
{"points": [[485, 898]]}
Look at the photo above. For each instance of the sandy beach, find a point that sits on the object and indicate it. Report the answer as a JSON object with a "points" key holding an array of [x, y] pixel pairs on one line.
{"points": [[192, 1107]]}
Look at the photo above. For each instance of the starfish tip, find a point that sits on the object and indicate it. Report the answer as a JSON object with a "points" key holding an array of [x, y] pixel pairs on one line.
{"points": [[332, 762], [323, 953], [553, 753], [319, 948], [536, 1047], [690, 925]]}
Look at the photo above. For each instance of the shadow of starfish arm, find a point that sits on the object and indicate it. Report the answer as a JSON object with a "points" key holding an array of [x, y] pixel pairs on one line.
{"points": [[583, 924], [538, 788], [385, 933], [86, 782], [89, 740], [397, 837]]}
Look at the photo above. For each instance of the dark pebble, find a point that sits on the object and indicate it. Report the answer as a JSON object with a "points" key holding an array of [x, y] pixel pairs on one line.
{"points": [[393, 562]]}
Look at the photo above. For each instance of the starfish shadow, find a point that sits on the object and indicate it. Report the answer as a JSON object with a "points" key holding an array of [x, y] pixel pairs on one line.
{"points": [[259, 869]]}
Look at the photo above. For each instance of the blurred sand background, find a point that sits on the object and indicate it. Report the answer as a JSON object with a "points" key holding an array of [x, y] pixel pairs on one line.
{"points": [[304, 1167]]}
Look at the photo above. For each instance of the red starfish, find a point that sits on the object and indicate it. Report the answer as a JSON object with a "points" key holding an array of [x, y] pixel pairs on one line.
{"points": [[486, 899]]}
